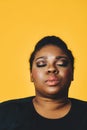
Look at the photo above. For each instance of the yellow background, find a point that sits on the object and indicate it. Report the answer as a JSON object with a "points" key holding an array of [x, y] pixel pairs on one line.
{"points": [[22, 24]]}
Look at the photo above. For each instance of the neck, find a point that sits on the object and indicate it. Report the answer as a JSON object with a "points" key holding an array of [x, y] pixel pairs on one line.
{"points": [[50, 103], [51, 108]]}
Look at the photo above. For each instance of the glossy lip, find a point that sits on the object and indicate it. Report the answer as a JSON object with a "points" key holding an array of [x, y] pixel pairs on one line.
{"points": [[52, 81]]}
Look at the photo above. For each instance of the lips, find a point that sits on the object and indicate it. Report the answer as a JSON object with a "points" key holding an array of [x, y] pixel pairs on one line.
{"points": [[52, 81]]}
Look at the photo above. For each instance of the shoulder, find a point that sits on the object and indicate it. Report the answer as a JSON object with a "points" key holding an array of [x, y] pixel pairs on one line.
{"points": [[80, 105], [79, 109], [19, 100], [13, 111], [78, 101], [16, 102]]}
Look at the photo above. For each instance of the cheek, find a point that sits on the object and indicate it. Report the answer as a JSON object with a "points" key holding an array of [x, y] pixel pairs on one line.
{"points": [[66, 74], [37, 75], [66, 78], [34, 73]]}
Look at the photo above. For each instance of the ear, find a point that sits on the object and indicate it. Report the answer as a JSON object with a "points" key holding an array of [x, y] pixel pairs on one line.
{"points": [[31, 77]]}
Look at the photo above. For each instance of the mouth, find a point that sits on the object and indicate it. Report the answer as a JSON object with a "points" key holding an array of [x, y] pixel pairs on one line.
{"points": [[52, 81]]}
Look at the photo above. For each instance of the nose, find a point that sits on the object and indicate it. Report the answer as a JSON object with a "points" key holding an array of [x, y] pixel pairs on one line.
{"points": [[52, 70]]}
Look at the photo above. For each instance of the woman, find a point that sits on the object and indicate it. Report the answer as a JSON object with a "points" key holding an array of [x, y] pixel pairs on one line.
{"points": [[51, 71]]}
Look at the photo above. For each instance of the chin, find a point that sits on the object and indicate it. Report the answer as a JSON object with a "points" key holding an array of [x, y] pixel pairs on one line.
{"points": [[56, 94]]}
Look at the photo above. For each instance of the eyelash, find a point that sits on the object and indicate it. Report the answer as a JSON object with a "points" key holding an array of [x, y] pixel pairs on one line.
{"points": [[43, 65], [61, 64]]}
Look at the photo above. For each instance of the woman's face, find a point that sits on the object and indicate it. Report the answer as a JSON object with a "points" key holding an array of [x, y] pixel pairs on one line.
{"points": [[51, 72]]}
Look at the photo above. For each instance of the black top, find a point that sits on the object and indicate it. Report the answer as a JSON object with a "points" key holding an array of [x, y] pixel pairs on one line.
{"points": [[20, 114]]}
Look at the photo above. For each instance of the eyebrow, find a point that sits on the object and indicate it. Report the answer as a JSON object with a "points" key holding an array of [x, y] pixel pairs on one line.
{"points": [[42, 57], [57, 57]]}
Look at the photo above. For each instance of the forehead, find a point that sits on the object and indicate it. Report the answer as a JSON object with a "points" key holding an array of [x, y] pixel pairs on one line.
{"points": [[50, 50]]}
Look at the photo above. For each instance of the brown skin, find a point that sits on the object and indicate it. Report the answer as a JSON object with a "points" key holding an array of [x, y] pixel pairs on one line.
{"points": [[52, 75]]}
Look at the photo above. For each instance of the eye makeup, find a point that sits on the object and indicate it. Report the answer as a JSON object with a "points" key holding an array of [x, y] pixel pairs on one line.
{"points": [[61, 61], [41, 63]]}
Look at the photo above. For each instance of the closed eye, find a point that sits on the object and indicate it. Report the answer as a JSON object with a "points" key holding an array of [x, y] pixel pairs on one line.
{"points": [[62, 63], [40, 64]]}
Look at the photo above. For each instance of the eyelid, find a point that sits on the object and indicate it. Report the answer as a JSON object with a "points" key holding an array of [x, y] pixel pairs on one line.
{"points": [[60, 61], [40, 60], [42, 64], [63, 62]]}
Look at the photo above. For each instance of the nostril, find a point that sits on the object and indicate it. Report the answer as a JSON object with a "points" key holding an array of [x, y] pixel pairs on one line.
{"points": [[49, 71], [53, 71]]}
